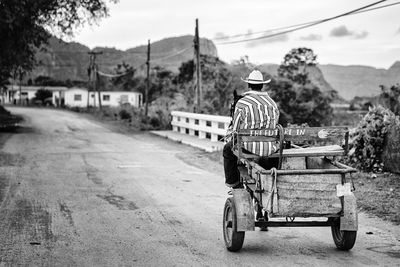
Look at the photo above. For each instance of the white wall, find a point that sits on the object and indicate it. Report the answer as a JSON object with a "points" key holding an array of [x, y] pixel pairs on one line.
{"points": [[108, 98], [71, 97], [28, 93]]}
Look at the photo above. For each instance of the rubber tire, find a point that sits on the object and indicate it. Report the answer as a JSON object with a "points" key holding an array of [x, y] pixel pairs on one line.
{"points": [[233, 239], [344, 240]]}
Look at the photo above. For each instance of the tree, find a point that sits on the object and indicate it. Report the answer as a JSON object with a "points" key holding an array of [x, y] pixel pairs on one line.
{"points": [[125, 82], [26, 25], [217, 85], [43, 95], [300, 104], [298, 99], [390, 98], [295, 63]]}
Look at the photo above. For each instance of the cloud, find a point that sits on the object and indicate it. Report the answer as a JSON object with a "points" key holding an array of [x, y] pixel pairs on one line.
{"points": [[275, 39], [398, 31], [311, 37], [342, 31], [220, 35], [361, 35]]}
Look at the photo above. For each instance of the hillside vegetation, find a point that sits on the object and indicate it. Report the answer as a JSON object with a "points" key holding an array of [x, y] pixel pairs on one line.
{"points": [[351, 81], [61, 60], [69, 61]]}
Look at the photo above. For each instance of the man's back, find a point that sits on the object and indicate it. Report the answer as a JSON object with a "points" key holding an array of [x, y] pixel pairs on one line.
{"points": [[256, 110]]}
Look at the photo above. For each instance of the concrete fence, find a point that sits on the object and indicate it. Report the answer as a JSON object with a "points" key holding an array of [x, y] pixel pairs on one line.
{"points": [[201, 125]]}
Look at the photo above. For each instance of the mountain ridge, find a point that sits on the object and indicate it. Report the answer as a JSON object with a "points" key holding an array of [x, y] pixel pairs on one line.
{"points": [[69, 60]]}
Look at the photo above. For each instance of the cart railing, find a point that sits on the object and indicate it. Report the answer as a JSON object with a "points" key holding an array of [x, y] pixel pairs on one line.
{"points": [[316, 135]]}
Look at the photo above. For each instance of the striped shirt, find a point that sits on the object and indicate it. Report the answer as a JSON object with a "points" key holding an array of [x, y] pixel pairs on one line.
{"points": [[257, 110]]}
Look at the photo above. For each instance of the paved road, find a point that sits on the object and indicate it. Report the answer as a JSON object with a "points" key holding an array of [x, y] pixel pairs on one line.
{"points": [[75, 193]]}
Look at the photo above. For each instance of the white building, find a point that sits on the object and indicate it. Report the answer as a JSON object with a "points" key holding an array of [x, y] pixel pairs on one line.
{"points": [[72, 97], [78, 97], [25, 94]]}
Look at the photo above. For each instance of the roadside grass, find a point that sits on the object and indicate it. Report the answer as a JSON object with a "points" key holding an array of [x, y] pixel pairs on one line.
{"points": [[379, 194], [7, 119], [126, 116]]}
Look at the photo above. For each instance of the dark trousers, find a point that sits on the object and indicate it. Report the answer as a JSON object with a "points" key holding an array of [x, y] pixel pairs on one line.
{"points": [[232, 175], [230, 166]]}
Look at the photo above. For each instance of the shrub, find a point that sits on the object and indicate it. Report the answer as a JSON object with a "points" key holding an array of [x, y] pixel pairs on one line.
{"points": [[367, 141], [155, 122], [124, 114]]}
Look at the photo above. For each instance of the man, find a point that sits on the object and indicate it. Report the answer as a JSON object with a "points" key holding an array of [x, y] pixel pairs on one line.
{"points": [[255, 110]]}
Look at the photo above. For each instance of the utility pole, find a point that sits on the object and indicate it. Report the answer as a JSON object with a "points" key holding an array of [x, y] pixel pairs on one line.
{"points": [[148, 79], [198, 67], [93, 70], [20, 81], [89, 71]]}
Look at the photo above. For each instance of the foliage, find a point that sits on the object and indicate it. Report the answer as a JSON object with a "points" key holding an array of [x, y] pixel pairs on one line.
{"points": [[129, 116], [43, 94], [4, 112], [124, 114], [217, 86], [295, 63], [300, 104], [48, 81], [361, 103], [390, 98], [367, 142], [125, 82], [26, 24], [298, 99]]}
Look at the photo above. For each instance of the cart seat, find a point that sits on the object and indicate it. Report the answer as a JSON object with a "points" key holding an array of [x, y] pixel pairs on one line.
{"points": [[316, 151], [330, 137]]}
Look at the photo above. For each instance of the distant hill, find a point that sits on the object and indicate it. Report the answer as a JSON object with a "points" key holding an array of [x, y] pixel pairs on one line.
{"points": [[69, 60], [315, 75], [351, 81], [62, 61]]}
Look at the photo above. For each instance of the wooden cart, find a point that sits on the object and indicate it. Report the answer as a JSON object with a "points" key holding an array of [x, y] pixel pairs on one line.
{"points": [[308, 181]]}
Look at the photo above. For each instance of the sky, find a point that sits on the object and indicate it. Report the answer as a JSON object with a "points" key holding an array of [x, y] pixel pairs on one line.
{"points": [[370, 38]]}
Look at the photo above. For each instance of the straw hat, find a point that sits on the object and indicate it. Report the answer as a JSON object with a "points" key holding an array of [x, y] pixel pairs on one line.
{"points": [[255, 77]]}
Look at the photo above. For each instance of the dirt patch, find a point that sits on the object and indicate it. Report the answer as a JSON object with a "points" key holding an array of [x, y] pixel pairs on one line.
{"points": [[3, 138], [212, 162], [28, 224], [4, 185], [7, 159], [67, 213], [118, 201], [379, 194]]}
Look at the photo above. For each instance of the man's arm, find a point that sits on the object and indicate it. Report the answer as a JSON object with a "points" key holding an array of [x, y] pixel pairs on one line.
{"points": [[237, 118], [236, 121]]}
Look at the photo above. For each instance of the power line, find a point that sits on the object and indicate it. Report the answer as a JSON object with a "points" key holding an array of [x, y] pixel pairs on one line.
{"points": [[104, 52], [304, 25], [171, 55], [113, 75], [297, 25]]}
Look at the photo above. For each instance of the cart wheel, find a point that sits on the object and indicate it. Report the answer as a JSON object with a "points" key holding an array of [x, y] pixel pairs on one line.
{"points": [[233, 239], [344, 240]]}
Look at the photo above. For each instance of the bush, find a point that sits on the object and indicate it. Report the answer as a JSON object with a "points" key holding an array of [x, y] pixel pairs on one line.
{"points": [[367, 141], [124, 114]]}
